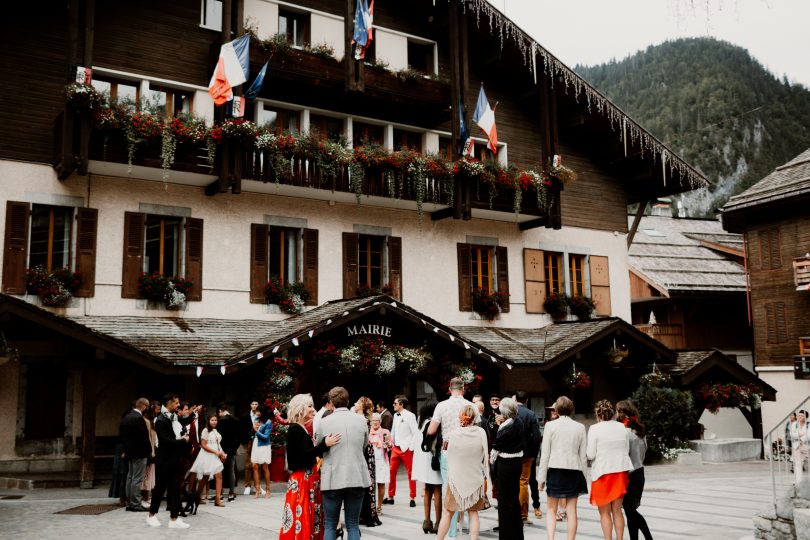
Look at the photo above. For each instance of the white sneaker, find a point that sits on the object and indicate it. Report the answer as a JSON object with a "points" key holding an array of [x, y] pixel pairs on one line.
{"points": [[146, 504], [247, 490], [152, 521], [178, 524]]}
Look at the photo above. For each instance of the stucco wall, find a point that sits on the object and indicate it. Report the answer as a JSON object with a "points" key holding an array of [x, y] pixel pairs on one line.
{"points": [[727, 423], [263, 16], [789, 394], [392, 48], [430, 277]]}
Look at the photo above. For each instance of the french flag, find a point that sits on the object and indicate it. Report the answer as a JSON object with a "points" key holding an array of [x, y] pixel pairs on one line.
{"points": [[485, 118], [232, 69]]}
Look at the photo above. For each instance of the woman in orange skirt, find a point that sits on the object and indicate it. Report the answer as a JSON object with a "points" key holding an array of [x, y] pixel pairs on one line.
{"points": [[609, 449], [302, 517]]}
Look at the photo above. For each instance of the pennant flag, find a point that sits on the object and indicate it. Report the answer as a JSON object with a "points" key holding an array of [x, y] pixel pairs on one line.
{"points": [[363, 31], [466, 142], [232, 69], [238, 107], [256, 86], [485, 118]]}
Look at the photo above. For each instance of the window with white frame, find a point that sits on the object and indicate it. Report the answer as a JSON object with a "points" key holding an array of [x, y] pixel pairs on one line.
{"points": [[211, 14]]}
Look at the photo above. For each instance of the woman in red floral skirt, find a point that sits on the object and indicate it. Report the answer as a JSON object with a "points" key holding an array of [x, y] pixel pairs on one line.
{"points": [[302, 517]]}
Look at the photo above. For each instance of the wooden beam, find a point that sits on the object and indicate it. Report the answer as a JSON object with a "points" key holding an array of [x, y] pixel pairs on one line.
{"points": [[532, 224], [444, 213], [348, 57], [88, 456], [642, 206], [545, 119]]}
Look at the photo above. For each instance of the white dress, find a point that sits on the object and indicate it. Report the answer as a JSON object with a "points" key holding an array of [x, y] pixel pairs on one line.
{"points": [[422, 470], [261, 455], [208, 464]]}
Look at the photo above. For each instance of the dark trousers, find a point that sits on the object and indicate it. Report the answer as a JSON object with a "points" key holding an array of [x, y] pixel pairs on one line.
{"points": [[631, 502], [507, 475], [533, 486], [167, 481], [229, 472], [137, 467]]}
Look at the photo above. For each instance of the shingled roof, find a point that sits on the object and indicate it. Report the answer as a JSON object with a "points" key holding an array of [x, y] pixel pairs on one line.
{"points": [[788, 181], [676, 255], [692, 366]]}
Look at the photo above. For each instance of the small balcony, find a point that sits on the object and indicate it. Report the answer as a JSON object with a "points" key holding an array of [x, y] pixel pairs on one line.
{"points": [[670, 335]]}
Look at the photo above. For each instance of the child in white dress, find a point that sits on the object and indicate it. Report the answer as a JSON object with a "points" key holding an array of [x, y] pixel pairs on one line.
{"points": [[209, 460]]}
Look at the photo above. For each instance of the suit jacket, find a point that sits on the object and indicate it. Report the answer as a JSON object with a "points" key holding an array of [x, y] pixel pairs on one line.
{"points": [[135, 436], [344, 465], [170, 448], [386, 419], [563, 447], [531, 431], [405, 431], [228, 427]]}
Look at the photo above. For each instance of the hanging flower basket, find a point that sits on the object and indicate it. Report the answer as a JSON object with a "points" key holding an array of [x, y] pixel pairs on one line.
{"points": [[83, 97], [714, 396], [655, 378], [577, 380]]}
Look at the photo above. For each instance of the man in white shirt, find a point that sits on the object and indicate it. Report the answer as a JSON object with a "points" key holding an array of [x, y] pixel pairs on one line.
{"points": [[445, 416], [403, 432]]}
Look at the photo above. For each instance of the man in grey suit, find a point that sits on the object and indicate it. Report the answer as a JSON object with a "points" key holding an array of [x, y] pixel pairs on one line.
{"points": [[344, 472]]}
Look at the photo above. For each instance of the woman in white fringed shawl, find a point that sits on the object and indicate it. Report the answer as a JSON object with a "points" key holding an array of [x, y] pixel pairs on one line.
{"points": [[467, 473]]}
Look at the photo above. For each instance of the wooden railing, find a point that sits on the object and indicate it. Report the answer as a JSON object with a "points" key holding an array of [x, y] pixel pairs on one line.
{"points": [[670, 335]]}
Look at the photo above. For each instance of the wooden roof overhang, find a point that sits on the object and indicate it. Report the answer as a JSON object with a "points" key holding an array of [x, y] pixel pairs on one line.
{"points": [[696, 367]]}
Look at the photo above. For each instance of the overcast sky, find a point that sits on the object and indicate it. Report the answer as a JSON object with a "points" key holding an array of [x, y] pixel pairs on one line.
{"points": [[776, 32]]}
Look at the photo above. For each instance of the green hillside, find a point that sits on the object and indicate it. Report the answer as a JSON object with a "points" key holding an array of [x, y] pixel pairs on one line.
{"points": [[716, 106]]}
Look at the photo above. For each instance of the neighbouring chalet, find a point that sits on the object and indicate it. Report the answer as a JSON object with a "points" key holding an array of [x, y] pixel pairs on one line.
{"points": [[772, 216], [151, 244], [688, 291]]}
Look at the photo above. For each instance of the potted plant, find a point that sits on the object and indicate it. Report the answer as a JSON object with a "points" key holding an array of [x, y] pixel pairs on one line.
{"points": [[290, 297], [171, 291], [556, 305], [488, 305], [54, 289], [581, 306]]}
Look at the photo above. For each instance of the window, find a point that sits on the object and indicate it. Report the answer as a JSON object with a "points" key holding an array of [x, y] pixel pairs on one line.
{"points": [[776, 322], [169, 102], [163, 245], [120, 91], [51, 230], [770, 254], [446, 149], [407, 139], [282, 120], [372, 263], [555, 278], [287, 252], [420, 57], [284, 245], [363, 133], [211, 14], [481, 150], [295, 26], [328, 127], [576, 274], [482, 267], [169, 245]]}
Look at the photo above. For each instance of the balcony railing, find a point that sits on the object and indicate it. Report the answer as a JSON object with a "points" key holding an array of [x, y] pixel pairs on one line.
{"points": [[670, 335]]}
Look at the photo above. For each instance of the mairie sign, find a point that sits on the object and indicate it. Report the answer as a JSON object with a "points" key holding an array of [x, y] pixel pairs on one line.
{"points": [[369, 329]]}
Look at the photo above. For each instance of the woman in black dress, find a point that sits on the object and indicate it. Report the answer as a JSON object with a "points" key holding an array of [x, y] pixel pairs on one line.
{"points": [[507, 454]]}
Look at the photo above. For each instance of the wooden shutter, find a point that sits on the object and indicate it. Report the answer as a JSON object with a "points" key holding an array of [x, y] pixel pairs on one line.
{"points": [[258, 262], [600, 284], [350, 247], [15, 250], [86, 235], [535, 275], [464, 277], [134, 224], [194, 257], [395, 266], [770, 254], [503, 274], [776, 322], [311, 265]]}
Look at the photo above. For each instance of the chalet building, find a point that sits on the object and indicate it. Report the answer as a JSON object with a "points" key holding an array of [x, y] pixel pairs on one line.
{"points": [[688, 291], [344, 242], [773, 219]]}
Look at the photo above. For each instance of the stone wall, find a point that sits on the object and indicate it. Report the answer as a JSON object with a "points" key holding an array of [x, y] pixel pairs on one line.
{"points": [[790, 519]]}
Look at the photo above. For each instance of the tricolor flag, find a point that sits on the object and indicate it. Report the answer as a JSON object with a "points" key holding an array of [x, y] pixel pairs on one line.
{"points": [[466, 147], [232, 69], [363, 31], [485, 118]]}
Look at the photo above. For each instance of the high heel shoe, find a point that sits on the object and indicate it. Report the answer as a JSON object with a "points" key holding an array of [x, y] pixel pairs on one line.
{"points": [[339, 532], [427, 526]]}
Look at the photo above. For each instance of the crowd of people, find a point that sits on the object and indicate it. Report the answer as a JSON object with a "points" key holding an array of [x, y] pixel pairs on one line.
{"points": [[343, 460]]}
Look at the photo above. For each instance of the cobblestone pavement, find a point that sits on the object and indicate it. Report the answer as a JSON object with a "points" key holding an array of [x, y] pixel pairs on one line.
{"points": [[694, 502]]}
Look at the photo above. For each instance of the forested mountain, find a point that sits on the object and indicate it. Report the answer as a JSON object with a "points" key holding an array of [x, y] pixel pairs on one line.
{"points": [[713, 104]]}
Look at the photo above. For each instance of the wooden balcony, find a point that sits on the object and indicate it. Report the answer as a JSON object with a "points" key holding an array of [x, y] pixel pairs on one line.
{"points": [[670, 335]]}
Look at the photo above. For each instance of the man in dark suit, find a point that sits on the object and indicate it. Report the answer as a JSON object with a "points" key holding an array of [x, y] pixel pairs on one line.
{"points": [[229, 428], [171, 445], [137, 449], [386, 418], [531, 446]]}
